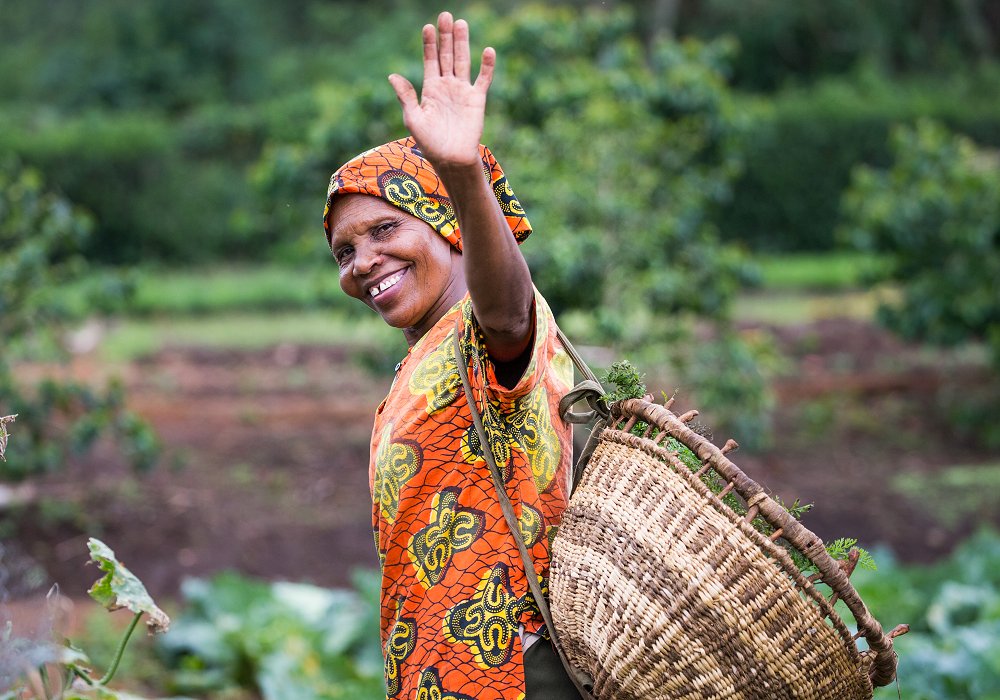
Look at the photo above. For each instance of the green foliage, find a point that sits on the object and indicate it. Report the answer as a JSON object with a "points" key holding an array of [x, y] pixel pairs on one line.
{"points": [[841, 548], [935, 216], [626, 380], [159, 187], [119, 588], [44, 670], [782, 42], [285, 640], [618, 157], [803, 146], [953, 609], [798, 272], [41, 235]]}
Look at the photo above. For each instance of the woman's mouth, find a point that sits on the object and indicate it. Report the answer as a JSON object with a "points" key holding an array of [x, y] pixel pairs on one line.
{"points": [[386, 284]]}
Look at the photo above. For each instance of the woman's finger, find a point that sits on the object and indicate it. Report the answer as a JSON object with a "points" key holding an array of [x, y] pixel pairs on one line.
{"points": [[486, 66], [446, 50], [463, 62], [405, 93], [432, 69]]}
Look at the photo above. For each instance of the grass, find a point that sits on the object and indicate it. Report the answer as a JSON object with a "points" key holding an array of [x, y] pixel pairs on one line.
{"points": [[275, 287], [791, 307], [954, 494], [131, 338], [814, 271], [255, 306], [223, 289]]}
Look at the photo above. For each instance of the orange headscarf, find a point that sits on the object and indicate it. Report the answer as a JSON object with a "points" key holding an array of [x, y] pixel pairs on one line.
{"points": [[398, 173]]}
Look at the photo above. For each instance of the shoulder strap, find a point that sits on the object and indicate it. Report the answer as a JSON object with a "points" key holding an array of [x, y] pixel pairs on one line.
{"points": [[579, 678]]}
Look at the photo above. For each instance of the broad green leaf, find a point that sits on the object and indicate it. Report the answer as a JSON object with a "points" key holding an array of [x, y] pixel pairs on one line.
{"points": [[119, 588]]}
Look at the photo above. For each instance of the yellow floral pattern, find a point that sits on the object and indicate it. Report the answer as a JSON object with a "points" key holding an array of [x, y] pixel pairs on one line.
{"points": [[395, 464], [437, 378], [450, 529], [488, 621], [401, 643], [430, 688]]}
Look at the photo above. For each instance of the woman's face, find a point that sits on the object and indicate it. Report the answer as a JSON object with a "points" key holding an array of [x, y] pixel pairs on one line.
{"points": [[395, 263]]}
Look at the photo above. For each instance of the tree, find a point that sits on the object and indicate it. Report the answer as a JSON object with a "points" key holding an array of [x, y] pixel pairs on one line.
{"points": [[934, 215], [41, 234]]}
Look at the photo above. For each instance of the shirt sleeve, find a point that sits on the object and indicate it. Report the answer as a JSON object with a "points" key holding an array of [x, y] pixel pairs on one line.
{"points": [[544, 347]]}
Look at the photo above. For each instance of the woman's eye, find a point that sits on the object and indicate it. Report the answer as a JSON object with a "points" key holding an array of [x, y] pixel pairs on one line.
{"points": [[382, 229], [343, 255]]}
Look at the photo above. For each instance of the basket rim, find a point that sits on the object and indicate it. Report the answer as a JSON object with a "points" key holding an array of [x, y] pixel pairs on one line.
{"points": [[883, 666]]}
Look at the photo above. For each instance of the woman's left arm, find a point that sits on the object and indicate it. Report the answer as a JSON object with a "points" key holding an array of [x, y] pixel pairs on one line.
{"points": [[447, 123]]}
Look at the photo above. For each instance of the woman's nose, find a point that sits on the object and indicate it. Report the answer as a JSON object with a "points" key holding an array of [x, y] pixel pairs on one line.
{"points": [[365, 259]]}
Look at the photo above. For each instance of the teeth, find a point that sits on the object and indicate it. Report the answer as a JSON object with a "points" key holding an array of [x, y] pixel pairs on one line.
{"points": [[386, 283]]}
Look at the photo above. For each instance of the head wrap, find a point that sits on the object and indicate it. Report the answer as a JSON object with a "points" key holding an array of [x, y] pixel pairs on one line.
{"points": [[398, 173]]}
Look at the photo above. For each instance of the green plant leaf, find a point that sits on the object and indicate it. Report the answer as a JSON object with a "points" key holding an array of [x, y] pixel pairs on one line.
{"points": [[119, 588]]}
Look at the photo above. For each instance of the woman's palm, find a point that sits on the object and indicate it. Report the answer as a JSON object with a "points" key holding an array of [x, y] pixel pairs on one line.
{"points": [[447, 121]]}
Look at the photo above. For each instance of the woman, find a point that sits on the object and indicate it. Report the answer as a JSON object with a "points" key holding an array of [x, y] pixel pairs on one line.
{"points": [[423, 238]]}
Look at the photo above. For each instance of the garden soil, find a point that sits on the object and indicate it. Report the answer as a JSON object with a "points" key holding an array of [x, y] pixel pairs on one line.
{"points": [[265, 469]]}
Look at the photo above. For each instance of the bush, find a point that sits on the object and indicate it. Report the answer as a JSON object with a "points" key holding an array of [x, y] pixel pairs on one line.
{"points": [[156, 189], [935, 217], [799, 157], [953, 609], [41, 235]]}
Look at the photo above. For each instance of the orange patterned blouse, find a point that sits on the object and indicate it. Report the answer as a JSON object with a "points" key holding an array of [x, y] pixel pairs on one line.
{"points": [[454, 591]]}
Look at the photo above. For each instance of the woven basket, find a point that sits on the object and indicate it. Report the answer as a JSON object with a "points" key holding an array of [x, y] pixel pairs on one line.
{"points": [[658, 589]]}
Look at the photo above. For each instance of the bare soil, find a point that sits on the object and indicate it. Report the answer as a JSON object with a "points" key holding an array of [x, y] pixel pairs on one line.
{"points": [[265, 469]]}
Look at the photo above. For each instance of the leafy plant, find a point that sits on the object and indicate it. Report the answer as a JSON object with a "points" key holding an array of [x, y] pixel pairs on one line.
{"points": [[935, 217], [283, 640], [45, 670], [953, 609]]}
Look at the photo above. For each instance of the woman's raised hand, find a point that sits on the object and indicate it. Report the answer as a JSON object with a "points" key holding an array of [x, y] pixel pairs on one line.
{"points": [[447, 119]]}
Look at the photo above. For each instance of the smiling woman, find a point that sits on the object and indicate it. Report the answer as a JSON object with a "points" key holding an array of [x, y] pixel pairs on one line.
{"points": [[425, 230], [395, 263]]}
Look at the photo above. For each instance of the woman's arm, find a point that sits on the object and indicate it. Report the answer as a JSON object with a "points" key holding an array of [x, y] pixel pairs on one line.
{"points": [[447, 123]]}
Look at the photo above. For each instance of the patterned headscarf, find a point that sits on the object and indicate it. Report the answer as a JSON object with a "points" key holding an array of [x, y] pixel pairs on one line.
{"points": [[398, 173]]}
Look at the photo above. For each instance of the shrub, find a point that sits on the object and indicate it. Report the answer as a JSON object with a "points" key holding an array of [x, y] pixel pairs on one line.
{"points": [[799, 157]]}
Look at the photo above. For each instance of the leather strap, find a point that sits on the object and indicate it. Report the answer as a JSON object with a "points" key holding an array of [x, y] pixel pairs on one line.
{"points": [[578, 677]]}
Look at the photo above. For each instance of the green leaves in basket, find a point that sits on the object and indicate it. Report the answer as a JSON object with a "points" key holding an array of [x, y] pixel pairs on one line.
{"points": [[627, 381], [629, 384], [841, 548], [119, 588]]}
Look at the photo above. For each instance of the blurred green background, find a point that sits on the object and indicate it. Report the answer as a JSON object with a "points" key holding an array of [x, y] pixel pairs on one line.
{"points": [[785, 212]]}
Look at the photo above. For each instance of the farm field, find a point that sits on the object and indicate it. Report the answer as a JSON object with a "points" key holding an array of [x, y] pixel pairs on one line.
{"points": [[265, 417]]}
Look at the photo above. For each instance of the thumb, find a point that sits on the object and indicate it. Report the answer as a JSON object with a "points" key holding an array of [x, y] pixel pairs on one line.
{"points": [[405, 92]]}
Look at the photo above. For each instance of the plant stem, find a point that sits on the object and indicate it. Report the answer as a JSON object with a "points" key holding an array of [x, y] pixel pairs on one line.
{"points": [[74, 670], [121, 651], [43, 673]]}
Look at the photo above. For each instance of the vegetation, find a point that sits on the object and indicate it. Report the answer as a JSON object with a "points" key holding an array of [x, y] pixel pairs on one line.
{"points": [[953, 609], [941, 248], [669, 155], [45, 670], [283, 640], [628, 384], [41, 235]]}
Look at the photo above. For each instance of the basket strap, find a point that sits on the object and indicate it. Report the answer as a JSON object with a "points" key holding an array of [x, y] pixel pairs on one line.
{"points": [[590, 390], [578, 677]]}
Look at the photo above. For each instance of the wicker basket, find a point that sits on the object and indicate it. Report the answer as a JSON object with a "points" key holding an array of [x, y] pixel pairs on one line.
{"points": [[660, 590]]}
